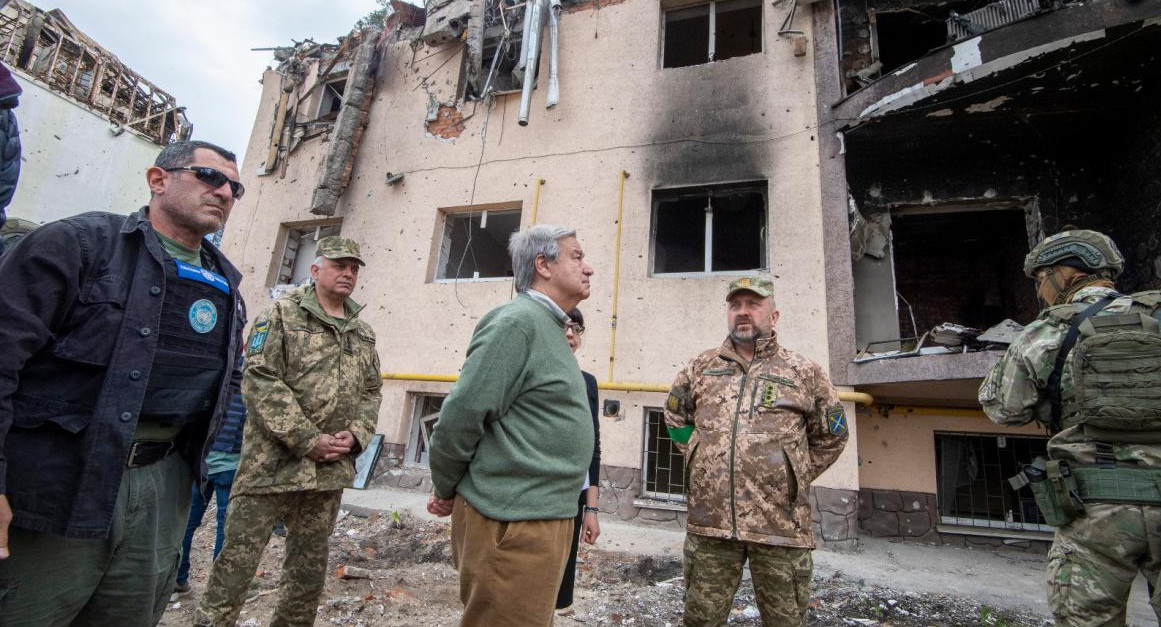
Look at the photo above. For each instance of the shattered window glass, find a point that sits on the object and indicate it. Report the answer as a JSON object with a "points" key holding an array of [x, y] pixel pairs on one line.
{"points": [[475, 245], [712, 32], [299, 251], [719, 228]]}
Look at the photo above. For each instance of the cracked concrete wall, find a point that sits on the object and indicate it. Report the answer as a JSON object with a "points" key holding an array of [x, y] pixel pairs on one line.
{"points": [[614, 95]]}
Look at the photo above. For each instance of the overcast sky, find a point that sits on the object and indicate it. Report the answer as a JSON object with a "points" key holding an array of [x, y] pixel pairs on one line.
{"points": [[200, 51]]}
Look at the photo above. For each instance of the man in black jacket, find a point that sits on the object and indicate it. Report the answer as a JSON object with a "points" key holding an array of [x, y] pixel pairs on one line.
{"points": [[120, 337]]}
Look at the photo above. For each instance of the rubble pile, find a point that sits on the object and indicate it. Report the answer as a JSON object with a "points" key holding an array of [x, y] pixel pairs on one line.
{"points": [[394, 569]]}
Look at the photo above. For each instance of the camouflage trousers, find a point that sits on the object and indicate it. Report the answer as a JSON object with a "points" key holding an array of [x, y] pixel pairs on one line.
{"points": [[1094, 560], [713, 571], [310, 517]]}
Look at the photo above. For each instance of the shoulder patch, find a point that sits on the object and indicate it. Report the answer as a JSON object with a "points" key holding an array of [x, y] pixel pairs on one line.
{"points": [[258, 336], [836, 420]]}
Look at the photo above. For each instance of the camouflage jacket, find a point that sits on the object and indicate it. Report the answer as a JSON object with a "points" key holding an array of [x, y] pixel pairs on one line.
{"points": [[755, 435], [305, 377], [1014, 393]]}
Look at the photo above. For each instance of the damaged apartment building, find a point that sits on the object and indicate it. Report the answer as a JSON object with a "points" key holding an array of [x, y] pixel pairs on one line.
{"points": [[89, 124], [889, 182]]}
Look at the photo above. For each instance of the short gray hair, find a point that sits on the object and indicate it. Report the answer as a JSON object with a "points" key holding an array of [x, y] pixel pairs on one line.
{"points": [[525, 246]]}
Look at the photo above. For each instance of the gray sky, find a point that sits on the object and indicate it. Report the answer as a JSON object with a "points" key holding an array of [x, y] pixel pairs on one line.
{"points": [[200, 51]]}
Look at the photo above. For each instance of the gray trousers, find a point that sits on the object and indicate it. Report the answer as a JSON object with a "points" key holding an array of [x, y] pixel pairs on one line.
{"points": [[121, 581]]}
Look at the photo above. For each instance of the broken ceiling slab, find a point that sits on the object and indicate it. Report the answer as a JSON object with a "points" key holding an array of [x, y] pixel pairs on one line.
{"points": [[1024, 59], [1005, 332], [447, 20]]}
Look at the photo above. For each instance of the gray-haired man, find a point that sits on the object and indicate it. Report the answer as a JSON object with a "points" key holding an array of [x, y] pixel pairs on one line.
{"points": [[514, 439]]}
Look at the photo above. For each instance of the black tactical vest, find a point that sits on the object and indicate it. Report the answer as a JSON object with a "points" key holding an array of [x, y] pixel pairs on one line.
{"points": [[191, 346]]}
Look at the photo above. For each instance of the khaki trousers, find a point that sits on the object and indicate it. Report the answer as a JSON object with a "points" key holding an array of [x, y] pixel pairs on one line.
{"points": [[509, 570]]}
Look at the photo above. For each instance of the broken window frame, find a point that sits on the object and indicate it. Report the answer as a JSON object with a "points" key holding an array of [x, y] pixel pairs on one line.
{"points": [[666, 194], [442, 254], [329, 95], [289, 248], [672, 6], [424, 416], [994, 482], [660, 454]]}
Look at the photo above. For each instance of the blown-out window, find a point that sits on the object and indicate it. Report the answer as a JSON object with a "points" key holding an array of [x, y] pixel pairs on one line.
{"points": [[711, 31]]}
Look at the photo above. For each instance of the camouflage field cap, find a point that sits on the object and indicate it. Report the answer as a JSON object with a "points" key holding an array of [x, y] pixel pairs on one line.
{"points": [[335, 247], [1087, 250], [760, 285]]}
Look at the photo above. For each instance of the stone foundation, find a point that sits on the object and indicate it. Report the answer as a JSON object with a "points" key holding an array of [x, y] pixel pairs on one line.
{"points": [[914, 516]]}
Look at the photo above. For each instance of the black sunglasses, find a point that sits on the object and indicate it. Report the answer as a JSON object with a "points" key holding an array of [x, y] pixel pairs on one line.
{"points": [[576, 328], [213, 178]]}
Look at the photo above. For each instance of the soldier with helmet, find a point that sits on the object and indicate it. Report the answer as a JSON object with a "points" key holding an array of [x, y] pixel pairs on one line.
{"points": [[1089, 370]]}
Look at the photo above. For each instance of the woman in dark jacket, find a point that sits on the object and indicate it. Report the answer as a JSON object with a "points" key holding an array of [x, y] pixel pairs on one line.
{"points": [[587, 526]]}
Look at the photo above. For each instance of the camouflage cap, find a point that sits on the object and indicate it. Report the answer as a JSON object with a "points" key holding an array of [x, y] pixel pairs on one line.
{"points": [[335, 247], [760, 285]]}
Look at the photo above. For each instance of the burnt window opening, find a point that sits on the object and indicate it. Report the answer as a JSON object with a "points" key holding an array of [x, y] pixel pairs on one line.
{"points": [[299, 251], [904, 36], [963, 267], [332, 99], [424, 417], [972, 473], [711, 32], [663, 467], [475, 245], [719, 228]]}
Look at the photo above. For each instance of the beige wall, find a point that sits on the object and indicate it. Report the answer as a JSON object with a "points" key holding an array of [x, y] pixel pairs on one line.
{"points": [[897, 446], [746, 118]]}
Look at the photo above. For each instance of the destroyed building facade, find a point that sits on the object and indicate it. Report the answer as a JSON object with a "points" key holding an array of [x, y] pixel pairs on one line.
{"points": [[680, 171], [888, 162], [962, 132], [89, 124]]}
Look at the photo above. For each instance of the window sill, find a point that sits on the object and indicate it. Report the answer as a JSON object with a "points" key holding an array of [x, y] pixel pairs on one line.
{"points": [[667, 505]]}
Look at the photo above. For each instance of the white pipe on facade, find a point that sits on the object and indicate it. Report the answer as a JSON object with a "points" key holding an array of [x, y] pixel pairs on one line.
{"points": [[530, 54], [554, 35]]}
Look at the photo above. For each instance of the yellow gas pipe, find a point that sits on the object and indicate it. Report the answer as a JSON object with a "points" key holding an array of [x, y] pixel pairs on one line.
{"points": [[536, 200], [616, 273]]}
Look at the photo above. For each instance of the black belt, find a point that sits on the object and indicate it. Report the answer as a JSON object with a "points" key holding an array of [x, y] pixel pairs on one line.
{"points": [[145, 452]]}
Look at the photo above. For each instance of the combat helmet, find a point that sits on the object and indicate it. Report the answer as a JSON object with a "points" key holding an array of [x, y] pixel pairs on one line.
{"points": [[1088, 250]]}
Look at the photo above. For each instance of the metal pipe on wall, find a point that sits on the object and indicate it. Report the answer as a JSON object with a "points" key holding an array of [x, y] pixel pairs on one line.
{"points": [[553, 65], [530, 54], [617, 272]]}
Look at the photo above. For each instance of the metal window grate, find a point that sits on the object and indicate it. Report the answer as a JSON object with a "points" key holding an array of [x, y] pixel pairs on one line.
{"points": [[663, 469], [992, 16], [972, 473]]}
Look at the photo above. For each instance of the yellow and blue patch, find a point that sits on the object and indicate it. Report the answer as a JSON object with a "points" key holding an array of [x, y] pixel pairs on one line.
{"points": [[258, 336], [836, 420]]}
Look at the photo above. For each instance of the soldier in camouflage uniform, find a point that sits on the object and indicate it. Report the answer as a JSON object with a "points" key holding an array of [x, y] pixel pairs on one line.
{"points": [[312, 388], [757, 424], [1089, 369]]}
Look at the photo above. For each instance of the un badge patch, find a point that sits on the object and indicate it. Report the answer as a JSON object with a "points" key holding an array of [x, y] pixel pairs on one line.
{"points": [[203, 316], [836, 420]]}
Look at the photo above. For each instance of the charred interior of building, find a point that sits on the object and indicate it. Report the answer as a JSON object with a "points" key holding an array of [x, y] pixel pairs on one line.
{"points": [[969, 152]]}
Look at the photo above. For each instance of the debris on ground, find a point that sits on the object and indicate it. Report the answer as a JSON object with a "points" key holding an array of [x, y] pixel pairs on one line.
{"points": [[394, 569]]}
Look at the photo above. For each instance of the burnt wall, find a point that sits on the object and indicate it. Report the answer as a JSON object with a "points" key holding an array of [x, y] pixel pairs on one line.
{"points": [[1133, 201]]}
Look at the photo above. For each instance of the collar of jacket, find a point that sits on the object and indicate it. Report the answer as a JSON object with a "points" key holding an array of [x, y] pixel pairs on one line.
{"points": [[1091, 293], [766, 347], [139, 221], [308, 300]]}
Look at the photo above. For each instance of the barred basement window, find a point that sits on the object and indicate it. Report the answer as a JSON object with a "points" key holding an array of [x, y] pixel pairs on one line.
{"points": [[972, 473], [712, 31], [717, 228], [474, 244], [663, 469], [425, 415]]}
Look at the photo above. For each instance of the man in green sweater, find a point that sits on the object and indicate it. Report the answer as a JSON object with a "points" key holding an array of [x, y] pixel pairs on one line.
{"points": [[515, 438]]}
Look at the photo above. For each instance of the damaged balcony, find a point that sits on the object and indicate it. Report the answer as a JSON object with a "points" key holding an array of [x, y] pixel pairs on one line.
{"points": [[1040, 121]]}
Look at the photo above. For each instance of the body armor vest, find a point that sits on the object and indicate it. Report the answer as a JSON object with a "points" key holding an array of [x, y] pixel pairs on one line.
{"points": [[191, 346]]}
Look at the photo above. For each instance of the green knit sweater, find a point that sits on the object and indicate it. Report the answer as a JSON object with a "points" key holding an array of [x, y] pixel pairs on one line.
{"points": [[515, 436]]}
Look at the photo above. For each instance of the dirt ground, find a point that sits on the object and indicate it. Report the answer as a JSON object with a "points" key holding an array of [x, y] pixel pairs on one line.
{"points": [[410, 581]]}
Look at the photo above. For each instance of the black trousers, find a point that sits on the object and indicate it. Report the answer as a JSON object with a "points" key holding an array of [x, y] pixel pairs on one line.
{"points": [[564, 595]]}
